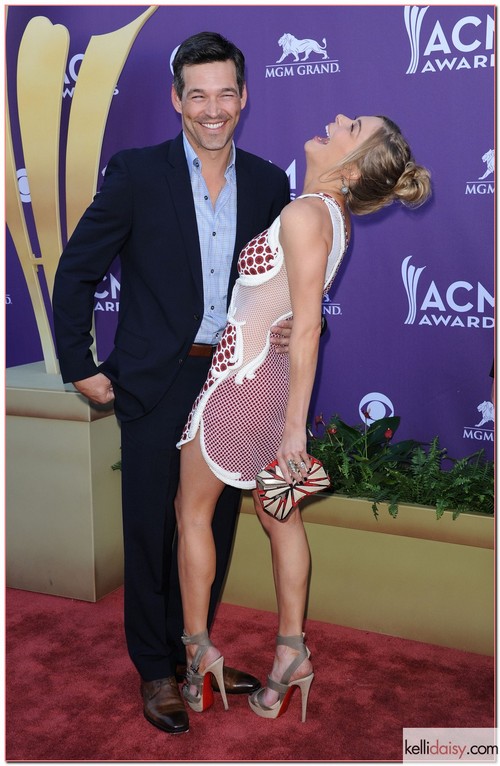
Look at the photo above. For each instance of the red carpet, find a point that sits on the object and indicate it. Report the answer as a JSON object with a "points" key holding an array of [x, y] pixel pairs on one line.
{"points": [[73, 695]]}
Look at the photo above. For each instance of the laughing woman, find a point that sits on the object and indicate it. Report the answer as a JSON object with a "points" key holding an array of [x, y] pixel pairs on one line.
{"points": [[254, 405]]}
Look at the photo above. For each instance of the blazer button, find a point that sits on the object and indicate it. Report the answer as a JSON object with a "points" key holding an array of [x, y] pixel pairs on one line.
{"points": [[196, 316]]}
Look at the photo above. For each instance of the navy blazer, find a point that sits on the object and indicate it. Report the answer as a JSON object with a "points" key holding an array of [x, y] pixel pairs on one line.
{"points": [[145, 213]]}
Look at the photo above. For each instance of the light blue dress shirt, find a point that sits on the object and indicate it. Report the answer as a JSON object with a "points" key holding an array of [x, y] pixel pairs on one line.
{"points": [[217, 233]]}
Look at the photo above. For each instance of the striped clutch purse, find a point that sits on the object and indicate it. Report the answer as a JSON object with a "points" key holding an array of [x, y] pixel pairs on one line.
{"points": [[278, 497]]}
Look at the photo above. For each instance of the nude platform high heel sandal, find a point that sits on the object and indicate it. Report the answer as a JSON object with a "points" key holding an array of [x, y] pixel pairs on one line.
{"points": [[204, 697], [285, 687]]}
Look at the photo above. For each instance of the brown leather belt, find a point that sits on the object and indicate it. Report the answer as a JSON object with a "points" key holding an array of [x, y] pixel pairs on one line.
{"points": [[201, 349]]}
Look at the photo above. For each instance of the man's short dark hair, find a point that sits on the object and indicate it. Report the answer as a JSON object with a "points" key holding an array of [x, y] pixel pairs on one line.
{"points": [[205, 48]]}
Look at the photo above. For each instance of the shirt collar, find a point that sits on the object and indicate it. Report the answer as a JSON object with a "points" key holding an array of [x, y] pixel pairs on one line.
{"points": [[194, 161]]}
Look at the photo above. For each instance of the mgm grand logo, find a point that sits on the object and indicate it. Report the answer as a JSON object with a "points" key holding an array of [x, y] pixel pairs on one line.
{"points": [[302, 57], [329, 308], [484, 184], [479, 432]]}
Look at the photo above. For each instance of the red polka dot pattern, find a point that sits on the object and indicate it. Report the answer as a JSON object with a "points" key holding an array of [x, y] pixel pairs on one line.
{"points": [[257, 257], [222, 360]]}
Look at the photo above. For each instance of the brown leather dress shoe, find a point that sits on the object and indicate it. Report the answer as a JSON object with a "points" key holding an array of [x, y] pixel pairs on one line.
{"points": [[163, 706], [235, 681]]}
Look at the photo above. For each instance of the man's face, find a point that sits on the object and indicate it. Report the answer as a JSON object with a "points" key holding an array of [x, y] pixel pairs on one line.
{"points": [[210, 105]]}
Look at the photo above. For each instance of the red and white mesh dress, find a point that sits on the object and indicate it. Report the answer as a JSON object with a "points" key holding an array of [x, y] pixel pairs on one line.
{"points": [[240, 410]]}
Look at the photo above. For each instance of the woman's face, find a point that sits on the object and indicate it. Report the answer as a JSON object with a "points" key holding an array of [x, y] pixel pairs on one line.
{"points": [[343, 136]]}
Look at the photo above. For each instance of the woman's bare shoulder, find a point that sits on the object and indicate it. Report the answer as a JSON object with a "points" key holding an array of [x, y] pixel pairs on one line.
{"points": [[309, 212]]}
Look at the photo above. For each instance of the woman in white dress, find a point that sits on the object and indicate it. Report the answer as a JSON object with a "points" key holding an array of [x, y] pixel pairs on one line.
{"points": [[254, 406]]}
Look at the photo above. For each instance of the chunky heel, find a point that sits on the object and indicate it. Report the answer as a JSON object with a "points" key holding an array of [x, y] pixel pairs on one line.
{"points": [[285, 687], [204, 697]]}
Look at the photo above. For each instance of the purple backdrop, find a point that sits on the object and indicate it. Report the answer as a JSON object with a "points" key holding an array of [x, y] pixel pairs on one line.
{"points": [[410, 316]]}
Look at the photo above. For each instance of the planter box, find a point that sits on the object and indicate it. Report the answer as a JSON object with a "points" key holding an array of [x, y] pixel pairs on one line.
{"points": [[63, 501], [415, 577]]}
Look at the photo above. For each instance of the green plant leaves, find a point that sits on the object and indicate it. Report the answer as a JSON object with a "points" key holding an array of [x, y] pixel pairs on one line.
{"points": [[364, 462]]}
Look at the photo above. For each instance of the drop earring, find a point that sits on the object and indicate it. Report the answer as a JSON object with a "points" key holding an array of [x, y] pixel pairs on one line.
{"points": [[344, 189]]}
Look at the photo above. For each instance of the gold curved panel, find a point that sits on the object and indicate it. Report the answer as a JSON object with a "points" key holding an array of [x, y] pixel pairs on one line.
{"points": [[41, 65], [16, 223], [99, 72]]}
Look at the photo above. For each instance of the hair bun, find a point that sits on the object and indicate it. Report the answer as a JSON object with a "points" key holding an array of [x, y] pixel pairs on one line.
{"points": [[414, 185]]}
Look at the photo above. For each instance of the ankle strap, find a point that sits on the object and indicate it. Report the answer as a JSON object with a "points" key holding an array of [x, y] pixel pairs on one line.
{"points": [[294, 642], [201, 639], [297, 643], [203, 642]]}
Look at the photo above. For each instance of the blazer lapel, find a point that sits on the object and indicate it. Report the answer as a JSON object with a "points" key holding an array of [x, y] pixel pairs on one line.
{"points": [[245, 213], [178, 179], [246, 202]]}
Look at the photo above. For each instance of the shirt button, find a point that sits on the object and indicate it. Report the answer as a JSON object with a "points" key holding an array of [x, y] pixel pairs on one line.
{"points": [[212, 307], [211, 271], [196, 163], [213, 234], [205, 197]]}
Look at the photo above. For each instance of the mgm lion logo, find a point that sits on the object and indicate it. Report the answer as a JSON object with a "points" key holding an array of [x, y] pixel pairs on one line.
{"points": [[487, 412], [489, 158], [293, 47]]}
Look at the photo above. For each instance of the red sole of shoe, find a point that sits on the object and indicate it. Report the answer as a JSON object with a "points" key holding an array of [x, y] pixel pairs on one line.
{"points": [[207, 692], [286, 701]]}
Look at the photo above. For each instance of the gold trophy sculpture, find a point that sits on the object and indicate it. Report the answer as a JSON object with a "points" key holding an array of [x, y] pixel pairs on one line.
{"points": [[40, 80], [63, 509]]}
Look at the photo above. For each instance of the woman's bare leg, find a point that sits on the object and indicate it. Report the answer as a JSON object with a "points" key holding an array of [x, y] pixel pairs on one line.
{"points": [[197, 495], [291, 566]]}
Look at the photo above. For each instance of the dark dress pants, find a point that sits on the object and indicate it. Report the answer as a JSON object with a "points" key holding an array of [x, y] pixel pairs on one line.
{"points": [[150, 475]]}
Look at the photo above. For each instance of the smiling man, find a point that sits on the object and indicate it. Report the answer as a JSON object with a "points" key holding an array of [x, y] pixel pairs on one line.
{"points": [[209, 99], [177, 214]]}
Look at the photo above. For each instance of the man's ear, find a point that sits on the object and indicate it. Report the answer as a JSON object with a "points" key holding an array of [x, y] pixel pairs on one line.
{"points": [[244, 96], [176, 102]]}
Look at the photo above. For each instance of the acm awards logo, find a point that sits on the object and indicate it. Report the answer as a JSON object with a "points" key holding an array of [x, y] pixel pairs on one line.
{"points": [[71, 76], [302, 57], [459, 304], [108, 295], [436, 46]]}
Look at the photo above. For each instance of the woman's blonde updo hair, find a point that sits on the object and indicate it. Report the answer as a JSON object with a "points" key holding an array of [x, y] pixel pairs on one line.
{"points": [[387, 172]]}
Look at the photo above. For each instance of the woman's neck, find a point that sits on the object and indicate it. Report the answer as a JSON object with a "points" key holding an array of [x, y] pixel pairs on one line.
{"points": [[315, 187], [314, 184]]}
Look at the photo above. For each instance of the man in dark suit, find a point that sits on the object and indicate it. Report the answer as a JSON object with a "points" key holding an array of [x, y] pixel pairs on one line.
{"points": [[177, 214]]}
